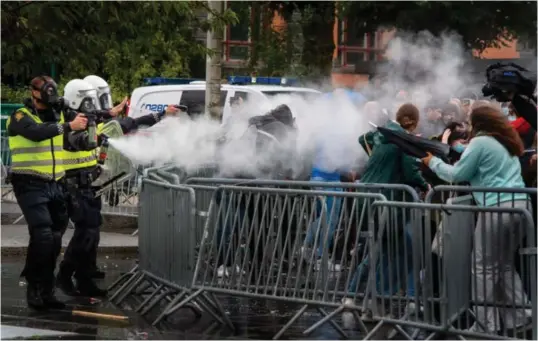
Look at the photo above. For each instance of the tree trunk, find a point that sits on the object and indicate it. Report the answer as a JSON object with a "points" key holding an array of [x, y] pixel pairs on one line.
{"points": [[213, 63]]}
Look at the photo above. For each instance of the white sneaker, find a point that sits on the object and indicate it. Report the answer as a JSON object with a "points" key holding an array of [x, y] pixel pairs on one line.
{"points": [[348, 301], [225, 271], [334, 267]]}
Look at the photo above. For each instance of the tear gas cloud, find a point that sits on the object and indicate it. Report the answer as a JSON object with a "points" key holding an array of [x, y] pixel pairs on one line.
{"points": [[332, 121]]}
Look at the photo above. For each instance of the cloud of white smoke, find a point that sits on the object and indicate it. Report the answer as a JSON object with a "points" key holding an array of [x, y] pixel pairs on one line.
{"points": [[327, 127]]}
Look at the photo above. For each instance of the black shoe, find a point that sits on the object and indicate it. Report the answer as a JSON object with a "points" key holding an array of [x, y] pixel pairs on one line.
{"points": [[98, 274], [88, 288], [34, 298], [64, 281]]}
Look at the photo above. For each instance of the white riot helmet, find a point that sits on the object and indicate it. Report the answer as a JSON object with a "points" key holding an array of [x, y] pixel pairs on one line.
{"points": [[103, 91], [81, 95]]}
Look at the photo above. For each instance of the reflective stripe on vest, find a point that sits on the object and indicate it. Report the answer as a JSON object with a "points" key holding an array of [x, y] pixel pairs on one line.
{"points": [[43, 159], [78, 160], [82, 159]]}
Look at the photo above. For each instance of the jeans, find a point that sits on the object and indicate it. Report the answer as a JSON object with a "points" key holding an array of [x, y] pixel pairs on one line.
{"points": [[228, 226], [389, 263], [332, 216]]}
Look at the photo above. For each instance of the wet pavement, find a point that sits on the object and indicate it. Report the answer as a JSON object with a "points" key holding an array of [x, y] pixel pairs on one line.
{"points": [[254, 319]]}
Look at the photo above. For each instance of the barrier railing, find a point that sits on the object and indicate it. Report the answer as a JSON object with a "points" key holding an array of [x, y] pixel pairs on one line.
{"points": [[468, 284], [167, 252], [290, 241], [274, 243]]}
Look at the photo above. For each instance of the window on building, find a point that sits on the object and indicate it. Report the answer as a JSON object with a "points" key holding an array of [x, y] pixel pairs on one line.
{"points": [[355, 46], [237, 37], [195, 100]]}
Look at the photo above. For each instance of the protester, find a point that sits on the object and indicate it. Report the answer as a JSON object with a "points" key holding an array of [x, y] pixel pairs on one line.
{"points": [[491, 160], [524, 129], [433, 124], [389, 165]]}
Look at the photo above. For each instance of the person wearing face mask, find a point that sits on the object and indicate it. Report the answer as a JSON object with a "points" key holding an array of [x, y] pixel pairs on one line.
{"points": [[492, 160], [35, 134]]}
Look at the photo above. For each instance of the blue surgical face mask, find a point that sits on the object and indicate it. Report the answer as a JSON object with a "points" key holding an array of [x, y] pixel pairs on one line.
{"points": [[459, 148]]}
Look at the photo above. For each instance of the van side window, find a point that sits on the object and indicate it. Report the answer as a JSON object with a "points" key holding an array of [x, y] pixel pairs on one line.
{"points": [[195, 100], [242, 94]]}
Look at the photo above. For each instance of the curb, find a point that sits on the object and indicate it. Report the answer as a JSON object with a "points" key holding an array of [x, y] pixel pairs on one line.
{"points": [[104, 250]]}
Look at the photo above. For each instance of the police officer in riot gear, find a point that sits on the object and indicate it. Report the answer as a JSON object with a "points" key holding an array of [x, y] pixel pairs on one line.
{"points": [[103, 91], [80, 163], [81, 170], [35, 134]]}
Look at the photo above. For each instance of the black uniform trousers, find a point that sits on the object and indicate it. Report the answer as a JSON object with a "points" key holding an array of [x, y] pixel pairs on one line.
{"points": [[85, 212], [44, 207]]}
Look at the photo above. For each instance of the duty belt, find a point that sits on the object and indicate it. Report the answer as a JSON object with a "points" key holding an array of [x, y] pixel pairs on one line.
{"points": [[83, 178]]}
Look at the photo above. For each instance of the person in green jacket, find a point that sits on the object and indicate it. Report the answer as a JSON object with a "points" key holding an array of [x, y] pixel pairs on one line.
{"points": [[389, 165]]}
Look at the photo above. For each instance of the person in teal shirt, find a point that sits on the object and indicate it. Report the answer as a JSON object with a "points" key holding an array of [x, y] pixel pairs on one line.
{"points": [[491, 160]]}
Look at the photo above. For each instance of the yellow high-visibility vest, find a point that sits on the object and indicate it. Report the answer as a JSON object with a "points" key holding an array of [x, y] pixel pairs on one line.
{"points": [[82, 159], [43, 159]]}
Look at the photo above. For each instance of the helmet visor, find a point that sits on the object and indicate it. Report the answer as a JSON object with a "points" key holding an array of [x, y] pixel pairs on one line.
{"points": [[105, 100]]}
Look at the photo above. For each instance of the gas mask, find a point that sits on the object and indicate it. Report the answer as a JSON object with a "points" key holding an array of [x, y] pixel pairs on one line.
{"points": [[88, 104], [49, 93]]}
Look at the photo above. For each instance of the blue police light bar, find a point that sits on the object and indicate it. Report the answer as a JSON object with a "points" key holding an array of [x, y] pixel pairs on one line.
{"points": [[248, 80], [168, 81]]}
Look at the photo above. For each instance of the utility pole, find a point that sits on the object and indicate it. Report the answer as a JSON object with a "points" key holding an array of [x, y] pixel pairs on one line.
{"points": [[213, 69]]}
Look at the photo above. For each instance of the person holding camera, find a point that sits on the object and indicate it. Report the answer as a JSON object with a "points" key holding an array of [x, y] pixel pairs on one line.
{"points": [[35, 135], [513, 83]]}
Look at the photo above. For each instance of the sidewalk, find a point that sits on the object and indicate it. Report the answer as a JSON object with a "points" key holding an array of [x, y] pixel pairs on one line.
{"points": [[23, 333], [15, 241]]}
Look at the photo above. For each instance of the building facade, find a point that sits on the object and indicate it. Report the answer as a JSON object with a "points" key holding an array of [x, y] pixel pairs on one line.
{"points": [[354, 56]]}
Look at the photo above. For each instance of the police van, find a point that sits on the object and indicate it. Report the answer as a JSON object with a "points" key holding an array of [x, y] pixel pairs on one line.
{"points": [[160, 92]]}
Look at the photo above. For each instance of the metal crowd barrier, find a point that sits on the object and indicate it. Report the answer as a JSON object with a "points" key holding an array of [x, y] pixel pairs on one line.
{"points": [[274, 244], [250, 240], [167, 253], [471, 288]]}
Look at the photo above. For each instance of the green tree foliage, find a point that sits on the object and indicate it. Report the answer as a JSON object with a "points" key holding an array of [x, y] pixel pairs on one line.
{"points": [[122, 41], [479, 23]]}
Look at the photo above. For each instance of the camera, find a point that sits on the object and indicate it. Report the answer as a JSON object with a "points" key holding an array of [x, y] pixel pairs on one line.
{"points": [[505, 79]]}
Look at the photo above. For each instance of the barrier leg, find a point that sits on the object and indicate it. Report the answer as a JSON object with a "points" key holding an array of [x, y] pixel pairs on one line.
{"points": [[223, 312], [210, 309], [127, 283], [174, 305], [359, 321], [327, 318], [131, 288], [290, 322], [150, 297], [123, 277], [373, 331], [164, 293]]}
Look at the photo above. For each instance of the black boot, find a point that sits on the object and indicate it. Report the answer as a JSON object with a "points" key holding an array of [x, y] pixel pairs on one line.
{"points": [[34, 297], [65, 280], [86, 287]]}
